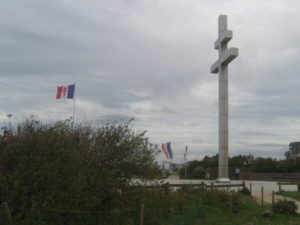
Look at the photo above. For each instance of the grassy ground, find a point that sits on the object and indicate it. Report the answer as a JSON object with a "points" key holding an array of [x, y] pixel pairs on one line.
{"points": [[291, 194], [249, 213], [188, 207]]}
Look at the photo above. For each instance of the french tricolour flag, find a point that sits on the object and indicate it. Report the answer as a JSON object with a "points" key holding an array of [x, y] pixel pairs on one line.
{"points": [[65, 91], [166, 148]]}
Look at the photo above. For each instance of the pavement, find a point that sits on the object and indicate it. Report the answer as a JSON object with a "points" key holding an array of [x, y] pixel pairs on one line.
{"points": [[256, 187], [268, 188]]}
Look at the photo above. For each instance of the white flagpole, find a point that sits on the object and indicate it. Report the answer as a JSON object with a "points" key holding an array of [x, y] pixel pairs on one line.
{"points": [[185, 172], [73, 124]]}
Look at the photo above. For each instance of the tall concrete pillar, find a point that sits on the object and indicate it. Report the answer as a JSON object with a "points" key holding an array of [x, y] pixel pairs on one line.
{"points": [[221, 66]]}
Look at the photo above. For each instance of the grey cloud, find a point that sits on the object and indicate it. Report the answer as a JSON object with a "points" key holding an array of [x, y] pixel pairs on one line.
{"points": [[115, 117], [116, 49], [262, 144], [257, 133]]}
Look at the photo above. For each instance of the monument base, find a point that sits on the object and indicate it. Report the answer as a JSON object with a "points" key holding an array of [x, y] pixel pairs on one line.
{"points": [[223, 180]]}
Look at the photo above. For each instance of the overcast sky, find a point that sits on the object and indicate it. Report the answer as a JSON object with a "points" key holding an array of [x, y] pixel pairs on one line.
{"points": [[150, 60]]}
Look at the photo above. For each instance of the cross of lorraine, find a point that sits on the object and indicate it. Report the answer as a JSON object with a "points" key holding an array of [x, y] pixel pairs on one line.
{"points": [[221, 66]]}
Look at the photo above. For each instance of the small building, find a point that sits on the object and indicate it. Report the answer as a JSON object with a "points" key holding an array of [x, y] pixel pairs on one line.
{"points": [[173, 167]]}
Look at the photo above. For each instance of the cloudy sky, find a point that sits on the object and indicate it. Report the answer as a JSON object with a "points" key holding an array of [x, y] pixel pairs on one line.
{"points": [[150, 60]]}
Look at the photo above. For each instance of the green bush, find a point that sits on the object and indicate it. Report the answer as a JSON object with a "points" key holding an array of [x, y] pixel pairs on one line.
{"points": [[244, 191], [220, 198], [30, 222], [198, 172], [267, 214], [49, 172], [284, 206]]}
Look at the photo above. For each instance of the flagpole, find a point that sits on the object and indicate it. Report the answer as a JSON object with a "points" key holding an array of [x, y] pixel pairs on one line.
{"points": [[185, 171], [73, 124]]}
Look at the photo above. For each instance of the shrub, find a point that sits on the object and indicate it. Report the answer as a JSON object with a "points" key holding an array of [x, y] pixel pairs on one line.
{"points": [[267, 214], [65, 169], [284, 206], [220, 198], [244, 191]]}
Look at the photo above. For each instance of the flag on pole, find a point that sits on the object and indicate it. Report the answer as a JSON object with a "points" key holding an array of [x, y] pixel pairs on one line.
{"points": [[166, 148], [163, 147], [65, 92]]}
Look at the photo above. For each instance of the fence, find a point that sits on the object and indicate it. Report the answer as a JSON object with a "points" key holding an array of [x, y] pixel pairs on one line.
{"points": [[281, 183], [270, 176], [211, 185], [136, 216]]}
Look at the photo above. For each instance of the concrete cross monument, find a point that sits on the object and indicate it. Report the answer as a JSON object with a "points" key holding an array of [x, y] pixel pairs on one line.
{"points": [[221, 66]]}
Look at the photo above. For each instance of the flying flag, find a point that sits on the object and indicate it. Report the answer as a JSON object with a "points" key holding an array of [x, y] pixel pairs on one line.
{"points": [[163, 147], [166, 148], [65, 92]]}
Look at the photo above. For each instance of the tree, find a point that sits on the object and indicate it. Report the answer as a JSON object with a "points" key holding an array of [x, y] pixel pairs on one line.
{"points": [[264, 165], [53, 166], [294, 151], [198, 172], [211, 162], [241, 161], [190, 168]]}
